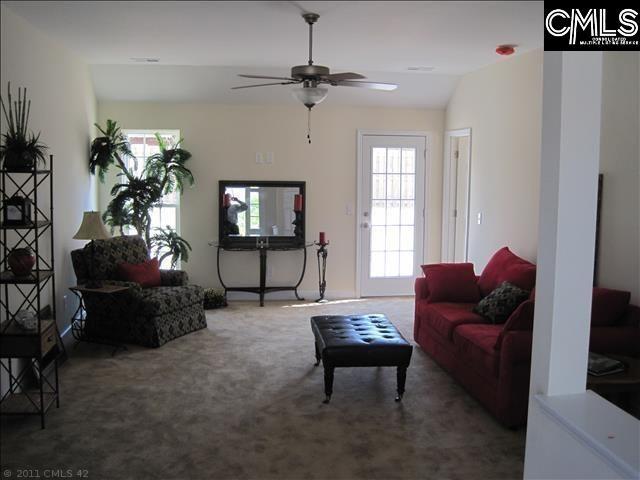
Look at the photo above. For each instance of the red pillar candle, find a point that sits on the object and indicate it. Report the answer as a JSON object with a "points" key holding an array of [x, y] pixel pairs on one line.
{"points": [[323, 238], [297, 203], [227, 200]]}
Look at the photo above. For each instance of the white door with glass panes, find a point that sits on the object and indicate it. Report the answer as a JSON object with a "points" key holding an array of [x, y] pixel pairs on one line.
{"points": [[391, 213]]}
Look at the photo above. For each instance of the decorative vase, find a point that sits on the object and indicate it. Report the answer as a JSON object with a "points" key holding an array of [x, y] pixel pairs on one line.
{"points": [[21, 261], [18, 161]]}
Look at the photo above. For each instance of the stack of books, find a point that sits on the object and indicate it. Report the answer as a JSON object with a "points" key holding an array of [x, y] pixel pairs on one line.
{"points": [[600, 365]]}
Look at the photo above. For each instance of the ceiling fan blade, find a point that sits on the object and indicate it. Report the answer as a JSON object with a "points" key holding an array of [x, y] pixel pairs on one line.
{"points": [[338, 77], [264, 77], [263, 85], [373, 85]]}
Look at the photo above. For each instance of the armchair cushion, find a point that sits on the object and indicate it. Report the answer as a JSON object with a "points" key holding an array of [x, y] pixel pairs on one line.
{"points": [[505, 266], [147, 273], [161, 300], [173, 278], [451, 282]]}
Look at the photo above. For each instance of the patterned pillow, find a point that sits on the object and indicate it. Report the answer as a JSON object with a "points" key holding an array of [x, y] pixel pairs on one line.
{"points": [[498, 306]]}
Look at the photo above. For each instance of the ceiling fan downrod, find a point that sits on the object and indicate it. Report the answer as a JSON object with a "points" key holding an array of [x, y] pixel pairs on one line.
{"points": [[310, 18]]}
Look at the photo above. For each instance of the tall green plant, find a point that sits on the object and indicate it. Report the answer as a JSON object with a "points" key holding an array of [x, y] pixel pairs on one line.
{"points": [[134, 196], [20, 147], [167, 242], [169, 165], [109, 149]]}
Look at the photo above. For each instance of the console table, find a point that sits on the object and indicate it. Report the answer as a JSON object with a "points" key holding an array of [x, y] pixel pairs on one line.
{"points": [[262, 249]]}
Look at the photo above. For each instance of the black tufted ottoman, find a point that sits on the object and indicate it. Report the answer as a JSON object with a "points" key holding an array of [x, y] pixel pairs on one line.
{"points": [[359, 341]]}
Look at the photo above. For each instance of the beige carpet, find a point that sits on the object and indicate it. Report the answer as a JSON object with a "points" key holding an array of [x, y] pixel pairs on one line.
{"points": [[242, 400]]}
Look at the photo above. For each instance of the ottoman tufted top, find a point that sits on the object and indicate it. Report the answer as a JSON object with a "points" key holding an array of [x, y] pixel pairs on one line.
{"points": [[360, 340]]}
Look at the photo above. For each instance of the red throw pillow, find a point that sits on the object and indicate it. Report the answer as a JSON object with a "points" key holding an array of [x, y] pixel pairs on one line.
{"points": [[451, 282], [147, 274], [608, 306], [505, 266]]}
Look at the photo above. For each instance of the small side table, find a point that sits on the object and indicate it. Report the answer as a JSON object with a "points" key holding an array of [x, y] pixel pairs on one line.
{"points": [[622, 388], [79, 319]]}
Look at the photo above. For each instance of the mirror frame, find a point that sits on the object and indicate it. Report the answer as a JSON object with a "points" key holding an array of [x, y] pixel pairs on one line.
{"points": [[274, 241]]}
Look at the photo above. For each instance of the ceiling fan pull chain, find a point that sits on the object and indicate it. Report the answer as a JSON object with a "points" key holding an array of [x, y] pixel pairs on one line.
{"points": [[309, 125]]}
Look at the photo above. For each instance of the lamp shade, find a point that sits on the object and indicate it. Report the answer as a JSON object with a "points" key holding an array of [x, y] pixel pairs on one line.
{"points": [[91, 228], [310, 96]]}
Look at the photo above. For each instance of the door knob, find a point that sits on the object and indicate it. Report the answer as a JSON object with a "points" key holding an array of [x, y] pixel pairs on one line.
{"points": [[365, 225]]}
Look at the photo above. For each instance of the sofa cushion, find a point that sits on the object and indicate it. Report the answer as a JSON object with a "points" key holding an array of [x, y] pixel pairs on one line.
{"points": [[451, 282], [160, 300], [505, 266], [147, 274], [498, 306], [445, 317], [475, 347], [608, 306]]}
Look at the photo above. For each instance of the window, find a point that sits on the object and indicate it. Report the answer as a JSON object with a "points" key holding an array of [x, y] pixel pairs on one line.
{"points": [[143, 145]]}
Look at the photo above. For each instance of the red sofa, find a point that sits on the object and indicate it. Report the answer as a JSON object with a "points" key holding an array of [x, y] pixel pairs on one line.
{"points": [[493, 361]]}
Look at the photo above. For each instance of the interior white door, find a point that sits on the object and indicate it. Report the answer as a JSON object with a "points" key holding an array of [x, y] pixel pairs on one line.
{"points": [[455, 201], [391, 213]]}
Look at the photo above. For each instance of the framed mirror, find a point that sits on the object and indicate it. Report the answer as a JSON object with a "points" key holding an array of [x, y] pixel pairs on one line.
{"points": [[271, 212]]}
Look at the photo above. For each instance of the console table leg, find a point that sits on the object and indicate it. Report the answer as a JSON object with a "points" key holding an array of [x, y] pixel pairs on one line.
{"points": [[263, 274]]}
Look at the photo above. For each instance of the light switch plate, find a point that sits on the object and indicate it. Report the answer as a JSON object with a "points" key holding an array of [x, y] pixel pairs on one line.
{"points": [[269, 158], [479, 218], [259, 158]]}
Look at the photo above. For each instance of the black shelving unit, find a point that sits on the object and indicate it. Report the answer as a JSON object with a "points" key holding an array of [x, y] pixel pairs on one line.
{"points": [[41, 347]]}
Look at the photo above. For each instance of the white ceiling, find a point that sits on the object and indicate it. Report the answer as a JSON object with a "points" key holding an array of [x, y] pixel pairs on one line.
{"points": [[202, 45]]}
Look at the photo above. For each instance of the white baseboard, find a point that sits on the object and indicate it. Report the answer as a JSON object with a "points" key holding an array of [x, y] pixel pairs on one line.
{"points": [[308, 295]]}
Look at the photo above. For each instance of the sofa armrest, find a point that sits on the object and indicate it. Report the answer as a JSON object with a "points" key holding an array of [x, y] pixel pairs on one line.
{"points": [[516, 347], [631, 317], [421, 288], [173, 278]]}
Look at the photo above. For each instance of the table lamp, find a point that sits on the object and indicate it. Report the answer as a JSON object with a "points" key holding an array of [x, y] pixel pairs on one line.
{"points": [[92, 229]]}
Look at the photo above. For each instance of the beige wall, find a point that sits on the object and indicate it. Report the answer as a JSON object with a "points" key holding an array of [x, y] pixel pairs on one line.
{"points": [[502, 105], [224, 141], [63, 110], [620, 166]]}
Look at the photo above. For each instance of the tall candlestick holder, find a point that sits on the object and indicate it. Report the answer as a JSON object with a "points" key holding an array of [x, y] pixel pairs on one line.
{"points": [[297, 231], [322, 269]]}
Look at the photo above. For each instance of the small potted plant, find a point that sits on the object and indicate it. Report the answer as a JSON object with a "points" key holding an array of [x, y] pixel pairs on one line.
{"points": [[21, 150], [214, 298]]}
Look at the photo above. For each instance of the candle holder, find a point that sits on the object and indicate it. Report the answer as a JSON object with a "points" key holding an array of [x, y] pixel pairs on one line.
{"points": [[297, 231], [322, 269]]}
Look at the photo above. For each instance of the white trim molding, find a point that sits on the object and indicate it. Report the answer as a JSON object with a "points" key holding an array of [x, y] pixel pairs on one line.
{"points": [[447, 225]]}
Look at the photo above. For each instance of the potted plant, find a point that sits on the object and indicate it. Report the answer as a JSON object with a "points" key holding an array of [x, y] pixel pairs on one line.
{"points": [[214, 298], [135, 196], [167, 243], [21, 150]]}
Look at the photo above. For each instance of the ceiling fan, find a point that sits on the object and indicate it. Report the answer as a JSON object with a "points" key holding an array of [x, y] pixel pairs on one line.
{"points": [[313, 78]]}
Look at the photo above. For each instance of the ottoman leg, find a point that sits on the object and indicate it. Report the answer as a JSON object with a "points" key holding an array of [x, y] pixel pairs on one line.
{"points": [[328, 382], [318, 357], [402, 378]]}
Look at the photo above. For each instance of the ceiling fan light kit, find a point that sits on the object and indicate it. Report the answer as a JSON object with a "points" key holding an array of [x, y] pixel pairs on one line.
{"points": [[314, 77]]}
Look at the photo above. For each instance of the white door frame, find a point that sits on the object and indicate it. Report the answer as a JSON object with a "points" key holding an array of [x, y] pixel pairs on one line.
{"points": [[361, 133], [447, 200]]}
